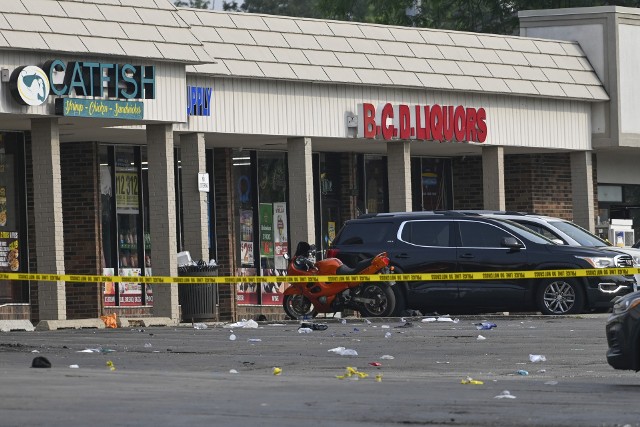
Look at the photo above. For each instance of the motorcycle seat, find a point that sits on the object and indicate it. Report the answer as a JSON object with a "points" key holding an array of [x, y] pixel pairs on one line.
{"points": [[344, 270]]}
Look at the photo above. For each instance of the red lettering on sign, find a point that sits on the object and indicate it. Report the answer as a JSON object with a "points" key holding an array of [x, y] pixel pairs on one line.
{"points": [[459, 123], [471, 125], [367, 121], [422, 122], [387, 129], [481, 118], [436, 122]]}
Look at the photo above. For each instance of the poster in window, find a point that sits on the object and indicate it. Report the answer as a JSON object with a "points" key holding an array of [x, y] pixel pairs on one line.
{"points": [[266, 230], [247, 292], [9, 251], [280, 234], [108, 289], [246, 253], [130, 293], [272, 292], [246, 225], [3, 206], [149, 288], [127, 190]]}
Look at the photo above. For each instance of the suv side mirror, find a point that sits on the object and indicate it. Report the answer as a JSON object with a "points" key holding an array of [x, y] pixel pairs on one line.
{"points": [[511, 243]]}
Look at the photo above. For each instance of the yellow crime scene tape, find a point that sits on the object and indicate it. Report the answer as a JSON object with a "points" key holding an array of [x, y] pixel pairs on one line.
{"points": [[492, 275]]}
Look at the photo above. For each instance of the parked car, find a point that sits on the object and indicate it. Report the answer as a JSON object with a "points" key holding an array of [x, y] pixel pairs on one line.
{"points": [[447, 242], [623, 333], [563, 232]]}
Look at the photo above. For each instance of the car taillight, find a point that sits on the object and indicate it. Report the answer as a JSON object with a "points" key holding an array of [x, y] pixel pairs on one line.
{"points": [[333, 253]]}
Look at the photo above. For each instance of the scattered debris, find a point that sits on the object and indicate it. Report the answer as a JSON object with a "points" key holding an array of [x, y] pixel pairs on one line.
{"points": [[305, 330], [471, 381], [522, 372], [505, 395], [110, 365], [343, 351], [277, 371], [200, 326], [233, 371], [480, 338], [352, 372], [110, 321], [243, 324], [314, 326], [387, 335], [537, 358], [386, 357], [40, 362], [440, 319], [254, 340], [74, 366], [376, 364], [485, 325]]}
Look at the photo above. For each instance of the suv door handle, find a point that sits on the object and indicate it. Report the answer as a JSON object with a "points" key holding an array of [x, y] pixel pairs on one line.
{"points": [[467, 256], [402, 255]]}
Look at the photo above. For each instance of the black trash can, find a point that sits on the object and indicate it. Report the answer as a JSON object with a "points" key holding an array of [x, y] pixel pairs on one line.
{"points": [[198, 301]]}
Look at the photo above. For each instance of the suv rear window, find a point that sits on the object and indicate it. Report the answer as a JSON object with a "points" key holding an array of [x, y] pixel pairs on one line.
{"points": [[362, 233], [426, 233]]}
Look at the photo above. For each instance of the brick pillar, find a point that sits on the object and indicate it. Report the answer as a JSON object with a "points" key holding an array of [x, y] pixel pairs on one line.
{"points": [[162, 209], [49, 227], [582, 189], [194, 202], [399, 175], [301, 220], [493, 178], [225, 231]]}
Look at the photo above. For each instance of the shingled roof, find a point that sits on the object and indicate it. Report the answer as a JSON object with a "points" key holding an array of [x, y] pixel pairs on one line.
{"points": [[283, 48], [149, 29]]}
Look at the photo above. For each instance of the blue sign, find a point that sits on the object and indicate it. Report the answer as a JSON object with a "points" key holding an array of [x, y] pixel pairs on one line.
{"points": [[99, 108], [198, 101]]}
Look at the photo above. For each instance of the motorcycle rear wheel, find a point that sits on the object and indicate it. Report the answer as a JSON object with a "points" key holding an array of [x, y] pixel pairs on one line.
{"points": [[385, 300], [298, 307]]}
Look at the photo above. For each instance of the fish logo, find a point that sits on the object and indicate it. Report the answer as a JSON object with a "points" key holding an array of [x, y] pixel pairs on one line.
{"points": [[30, 85]]}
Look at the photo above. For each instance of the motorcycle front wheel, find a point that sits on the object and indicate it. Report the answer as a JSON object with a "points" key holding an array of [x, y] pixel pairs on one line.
{"points": [[298, 307], [384, 300]]}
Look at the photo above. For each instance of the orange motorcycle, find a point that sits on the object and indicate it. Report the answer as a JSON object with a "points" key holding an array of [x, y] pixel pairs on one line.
{"points": [[371, 299]]}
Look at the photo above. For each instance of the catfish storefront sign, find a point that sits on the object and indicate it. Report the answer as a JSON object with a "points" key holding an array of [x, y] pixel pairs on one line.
{"points": [[422, 122]]}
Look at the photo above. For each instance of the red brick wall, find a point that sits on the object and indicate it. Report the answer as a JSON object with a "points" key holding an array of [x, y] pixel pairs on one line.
{"points": [[467, 182], [534, 183], [224, 230], [33, 255], [81, 217]]}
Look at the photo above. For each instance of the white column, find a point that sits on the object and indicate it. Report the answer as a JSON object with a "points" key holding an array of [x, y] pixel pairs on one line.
{"points": [[162, 209], [194, 202], [399, 176], [582, 189], [301, 206], [47, 206], [493, 178]]}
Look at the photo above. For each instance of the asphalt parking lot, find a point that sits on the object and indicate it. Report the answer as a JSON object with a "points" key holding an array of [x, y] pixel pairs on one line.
{"points": [[186, 376]]}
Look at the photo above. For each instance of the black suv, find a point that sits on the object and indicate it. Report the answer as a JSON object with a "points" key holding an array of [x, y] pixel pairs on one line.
{"points": [[449, 241]]}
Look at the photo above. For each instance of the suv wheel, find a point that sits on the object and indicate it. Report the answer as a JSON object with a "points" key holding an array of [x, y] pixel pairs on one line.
{"points": [[560, 296]]}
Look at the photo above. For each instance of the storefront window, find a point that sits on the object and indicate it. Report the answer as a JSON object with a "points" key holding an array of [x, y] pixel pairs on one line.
{"points": [[126, 240], [329, 187], [260, 183], [372, 171], [431, 183], [13, 244]]}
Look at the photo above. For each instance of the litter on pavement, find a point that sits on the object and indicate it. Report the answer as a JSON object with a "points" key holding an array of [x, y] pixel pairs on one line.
{"points": [[343, 351], [243, 324], [471, 381], [505, 395], [537, 358], [485, 325]]}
